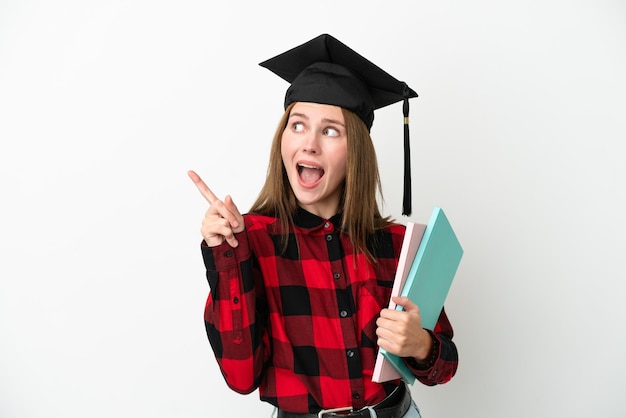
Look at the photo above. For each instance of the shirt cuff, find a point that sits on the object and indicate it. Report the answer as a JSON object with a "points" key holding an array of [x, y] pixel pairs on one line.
{"points": [[224, 257], [421, 366]]}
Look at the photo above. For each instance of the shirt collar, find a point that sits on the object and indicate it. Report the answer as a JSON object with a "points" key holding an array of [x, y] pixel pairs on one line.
{"points": [[307, 220]]}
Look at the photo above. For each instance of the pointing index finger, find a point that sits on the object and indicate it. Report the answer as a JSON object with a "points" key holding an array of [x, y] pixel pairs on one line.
{"points": [[202, 187]]}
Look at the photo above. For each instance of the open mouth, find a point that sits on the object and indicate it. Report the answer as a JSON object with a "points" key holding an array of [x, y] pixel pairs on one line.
{"points": [[309, 174]]}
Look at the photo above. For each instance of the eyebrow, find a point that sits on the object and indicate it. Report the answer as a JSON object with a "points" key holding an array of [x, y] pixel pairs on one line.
{"points": [[325, 120]]}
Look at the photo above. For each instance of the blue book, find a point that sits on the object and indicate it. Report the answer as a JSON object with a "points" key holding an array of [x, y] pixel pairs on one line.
{"points": [[427, 282]]}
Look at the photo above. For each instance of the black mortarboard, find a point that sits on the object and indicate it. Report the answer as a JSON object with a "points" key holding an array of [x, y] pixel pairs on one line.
{"points": [[324, 70]]}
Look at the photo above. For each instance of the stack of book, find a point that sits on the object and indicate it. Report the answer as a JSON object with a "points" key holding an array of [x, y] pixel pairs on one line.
{"points": [[429, 258]]}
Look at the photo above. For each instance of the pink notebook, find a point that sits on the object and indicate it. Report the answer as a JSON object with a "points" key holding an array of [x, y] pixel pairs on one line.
{"points": [[383, 369]]}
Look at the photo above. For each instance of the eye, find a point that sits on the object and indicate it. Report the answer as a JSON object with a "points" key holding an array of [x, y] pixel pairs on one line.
{"points": [[331, 132], [297, 127]]}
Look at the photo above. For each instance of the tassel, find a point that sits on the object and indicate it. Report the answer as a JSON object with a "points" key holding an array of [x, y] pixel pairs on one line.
{"points": [[406, 199]]}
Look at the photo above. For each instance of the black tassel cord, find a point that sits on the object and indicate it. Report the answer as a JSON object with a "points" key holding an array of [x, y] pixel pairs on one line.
{"points": [[406, 199]]}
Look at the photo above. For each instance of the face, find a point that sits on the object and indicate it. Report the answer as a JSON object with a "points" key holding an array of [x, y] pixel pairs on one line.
{"points": [[314, 149]]}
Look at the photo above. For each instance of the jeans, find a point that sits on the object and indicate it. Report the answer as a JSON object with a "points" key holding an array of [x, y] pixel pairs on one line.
{"points": [[413, 411]]}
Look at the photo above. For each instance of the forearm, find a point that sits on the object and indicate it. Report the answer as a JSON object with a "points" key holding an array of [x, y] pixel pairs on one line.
{"points": [[441, 362], [234, 315]]}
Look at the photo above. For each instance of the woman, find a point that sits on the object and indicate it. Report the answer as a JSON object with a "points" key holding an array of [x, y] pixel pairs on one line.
{"points": [[299, 285]]}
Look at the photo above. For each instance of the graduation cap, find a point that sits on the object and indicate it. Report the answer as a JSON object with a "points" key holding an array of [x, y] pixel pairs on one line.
{"points": [[324, 70]]}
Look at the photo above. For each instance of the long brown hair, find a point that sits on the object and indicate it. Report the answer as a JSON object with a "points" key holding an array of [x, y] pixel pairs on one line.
{"points": [[361, 215]]}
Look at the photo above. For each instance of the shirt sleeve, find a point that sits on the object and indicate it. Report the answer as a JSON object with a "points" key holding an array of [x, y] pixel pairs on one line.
{"points": [[443, 362], [236, 314]]}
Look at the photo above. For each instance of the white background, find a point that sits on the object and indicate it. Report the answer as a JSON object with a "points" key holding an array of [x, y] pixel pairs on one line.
{"points": [[518, 134]]}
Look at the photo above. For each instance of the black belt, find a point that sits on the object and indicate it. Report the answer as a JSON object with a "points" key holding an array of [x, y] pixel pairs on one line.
{"points": [[393, 406]]}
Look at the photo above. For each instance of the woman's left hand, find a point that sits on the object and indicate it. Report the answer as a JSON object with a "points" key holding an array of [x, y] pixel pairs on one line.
{"points": [[401, 332]]}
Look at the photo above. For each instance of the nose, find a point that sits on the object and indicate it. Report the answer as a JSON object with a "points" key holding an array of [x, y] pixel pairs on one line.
{"points": [[311, 143]]}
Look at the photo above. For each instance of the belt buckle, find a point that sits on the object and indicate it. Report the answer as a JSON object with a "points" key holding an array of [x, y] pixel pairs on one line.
{"points": [[330, 411]]}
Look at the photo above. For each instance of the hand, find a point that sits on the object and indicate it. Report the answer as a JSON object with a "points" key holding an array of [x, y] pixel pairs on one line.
{"points": [[401, 332], [222, 220]]}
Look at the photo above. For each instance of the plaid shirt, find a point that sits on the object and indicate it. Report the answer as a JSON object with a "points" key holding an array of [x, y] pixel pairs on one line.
{"points": [[301, 324]]}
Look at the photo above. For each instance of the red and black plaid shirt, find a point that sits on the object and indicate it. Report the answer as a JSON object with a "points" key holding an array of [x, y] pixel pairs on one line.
{"points": [[301, 324]]}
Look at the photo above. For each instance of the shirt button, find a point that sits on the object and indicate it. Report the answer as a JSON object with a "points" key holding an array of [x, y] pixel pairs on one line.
{"points": [[350, 353], [235, 300], [327, 225], [336, 275], [356, 395], [343, 314], [329, 237], [229, 253]]}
